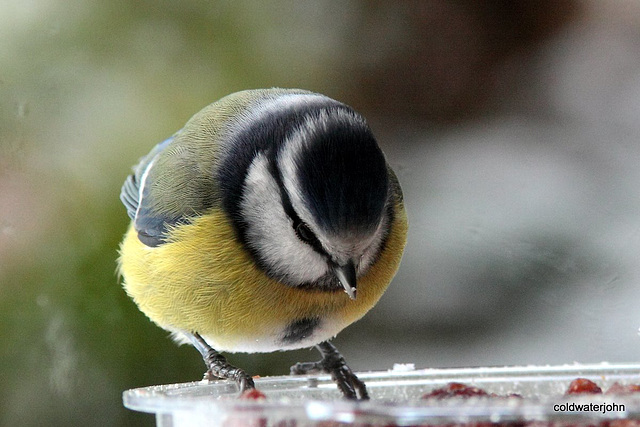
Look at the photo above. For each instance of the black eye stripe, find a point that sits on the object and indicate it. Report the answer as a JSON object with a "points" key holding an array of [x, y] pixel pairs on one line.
{"points": [[301, 229]]}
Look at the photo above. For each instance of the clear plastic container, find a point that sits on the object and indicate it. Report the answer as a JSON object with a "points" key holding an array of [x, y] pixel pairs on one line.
{"points": [[397, 399]]}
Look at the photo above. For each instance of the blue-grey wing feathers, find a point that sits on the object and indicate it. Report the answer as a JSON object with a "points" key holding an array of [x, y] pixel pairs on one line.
{"points": [[135, 195]]}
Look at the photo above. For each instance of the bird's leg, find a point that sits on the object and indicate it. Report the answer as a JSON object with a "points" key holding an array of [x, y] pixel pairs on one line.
{"points": [[217, 365], [333, 363]]}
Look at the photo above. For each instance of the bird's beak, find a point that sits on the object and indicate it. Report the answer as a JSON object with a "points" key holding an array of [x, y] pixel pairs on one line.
{"points": [[347, 276]]}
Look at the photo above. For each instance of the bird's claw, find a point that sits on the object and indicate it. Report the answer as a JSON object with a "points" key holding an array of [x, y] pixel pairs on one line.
{"points": [[334, 364], [219, 368]]}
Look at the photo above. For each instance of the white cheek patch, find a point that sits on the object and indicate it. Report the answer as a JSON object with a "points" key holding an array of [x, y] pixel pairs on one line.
{"points": [[270, 232]]}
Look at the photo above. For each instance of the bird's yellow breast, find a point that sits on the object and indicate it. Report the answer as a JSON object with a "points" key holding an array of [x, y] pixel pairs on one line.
{"points": [[202, 280]]}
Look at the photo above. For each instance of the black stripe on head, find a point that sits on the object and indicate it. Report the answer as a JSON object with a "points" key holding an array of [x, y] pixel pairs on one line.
{"points": [[343, 173], [264, 135], [249, 140]]}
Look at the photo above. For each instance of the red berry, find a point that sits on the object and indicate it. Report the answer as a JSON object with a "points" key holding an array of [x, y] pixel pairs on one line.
{"points": [[455, 389], [583, 386], [253, 394]]}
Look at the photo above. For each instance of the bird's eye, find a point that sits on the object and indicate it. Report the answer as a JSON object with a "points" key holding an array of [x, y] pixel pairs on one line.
{"points": [[304, 233]]}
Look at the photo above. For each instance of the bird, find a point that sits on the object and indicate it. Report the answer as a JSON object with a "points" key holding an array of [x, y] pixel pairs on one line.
{"points": [[270, 221]]}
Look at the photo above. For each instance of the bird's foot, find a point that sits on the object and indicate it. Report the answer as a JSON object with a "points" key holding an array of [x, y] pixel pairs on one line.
{"points": [[218, 367], [334, 364]]}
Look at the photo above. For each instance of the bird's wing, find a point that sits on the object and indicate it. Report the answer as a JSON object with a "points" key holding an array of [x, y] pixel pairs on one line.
{"points": [[151, 224]]}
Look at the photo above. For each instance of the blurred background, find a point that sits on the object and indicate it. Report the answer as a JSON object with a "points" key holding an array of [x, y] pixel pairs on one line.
{"points": [[514, 127]]}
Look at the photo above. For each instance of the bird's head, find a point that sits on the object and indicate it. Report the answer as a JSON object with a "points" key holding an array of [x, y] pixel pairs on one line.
{"points": [[314, 205]]}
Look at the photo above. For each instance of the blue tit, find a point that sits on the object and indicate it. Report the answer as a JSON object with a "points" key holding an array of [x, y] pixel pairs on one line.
{"points": [[271, 221]]}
